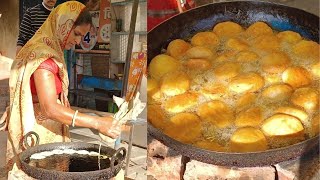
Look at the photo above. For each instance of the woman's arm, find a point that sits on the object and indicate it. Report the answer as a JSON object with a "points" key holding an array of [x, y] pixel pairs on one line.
{"points": [[46, 91]]}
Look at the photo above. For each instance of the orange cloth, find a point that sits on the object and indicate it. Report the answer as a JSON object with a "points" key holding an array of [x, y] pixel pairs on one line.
{"points": [[138, 68]]}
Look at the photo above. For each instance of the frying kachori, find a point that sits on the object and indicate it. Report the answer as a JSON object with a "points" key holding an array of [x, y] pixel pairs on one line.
{"points": [[248, 139], [236, 89], [177, 48]]}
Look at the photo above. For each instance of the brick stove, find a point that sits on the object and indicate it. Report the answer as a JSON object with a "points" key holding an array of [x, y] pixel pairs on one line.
{"points": [[164, 163]]}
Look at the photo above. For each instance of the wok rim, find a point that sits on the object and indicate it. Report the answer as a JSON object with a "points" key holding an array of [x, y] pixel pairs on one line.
{"points": [[231, 2], [306, 146], [108, 172]]}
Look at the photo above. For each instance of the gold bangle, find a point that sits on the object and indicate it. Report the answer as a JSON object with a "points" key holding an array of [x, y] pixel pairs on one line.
{"points": [[74, 118]]}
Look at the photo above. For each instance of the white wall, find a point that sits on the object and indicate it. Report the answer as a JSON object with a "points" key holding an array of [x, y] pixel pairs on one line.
{"points": [[9, 28]]}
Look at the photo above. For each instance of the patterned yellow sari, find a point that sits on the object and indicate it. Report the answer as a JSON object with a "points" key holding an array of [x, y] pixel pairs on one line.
{"points": [[48, 42]]}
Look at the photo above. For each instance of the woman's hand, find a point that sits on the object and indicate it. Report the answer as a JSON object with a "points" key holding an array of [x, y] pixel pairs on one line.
{"points": [[109, 127]]}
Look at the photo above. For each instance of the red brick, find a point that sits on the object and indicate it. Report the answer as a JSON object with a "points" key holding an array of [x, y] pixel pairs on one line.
{"points": [[284, 174], [199, 170], [163, 163]]}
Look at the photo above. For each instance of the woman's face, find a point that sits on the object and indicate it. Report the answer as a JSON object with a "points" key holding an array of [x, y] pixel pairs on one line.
{"points": [[76, 34]]}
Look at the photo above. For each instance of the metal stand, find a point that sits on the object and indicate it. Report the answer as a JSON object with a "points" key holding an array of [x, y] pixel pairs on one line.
{"points": [[132, 123], [129, 151], [126, 73]]}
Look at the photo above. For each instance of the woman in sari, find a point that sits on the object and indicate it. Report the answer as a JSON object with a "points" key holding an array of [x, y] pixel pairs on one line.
{"points": [[39, 85]]}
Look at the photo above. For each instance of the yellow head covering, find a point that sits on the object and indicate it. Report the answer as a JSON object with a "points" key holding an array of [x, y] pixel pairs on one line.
{"points": [[48, 42]]}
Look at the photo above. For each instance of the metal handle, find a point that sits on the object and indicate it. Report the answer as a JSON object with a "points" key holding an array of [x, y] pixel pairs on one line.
{"points": [[29, 134], [114, 157]]}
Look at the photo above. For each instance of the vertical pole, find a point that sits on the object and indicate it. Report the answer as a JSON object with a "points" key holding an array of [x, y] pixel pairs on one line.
{"points": [[75, 81], [129, 150], [126, 71], [129, 47]]}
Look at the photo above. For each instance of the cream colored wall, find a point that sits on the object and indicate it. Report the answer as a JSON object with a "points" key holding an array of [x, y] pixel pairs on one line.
{"points": [[9, 27]]}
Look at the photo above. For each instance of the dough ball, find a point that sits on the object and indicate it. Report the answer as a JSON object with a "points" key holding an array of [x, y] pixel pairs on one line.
{"points": [[227, 70], [248, 139], [225, 56], [199, 64], [283, 129], [277, 92], [250, 117], [259, 28], [208, 39], [247, 82], [161, 65], [266, 43], [199, 52], [315, 70], [307, 98], [247, 56], [296, 77], [177, 48], [236, 44], [216, 112], [293, 111], [307, 49], [186, 127], [227, 29], [157, 117], [180, 103], [289, 37], [245, 101], [214, 91], [175, 83], [275, 62]]}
